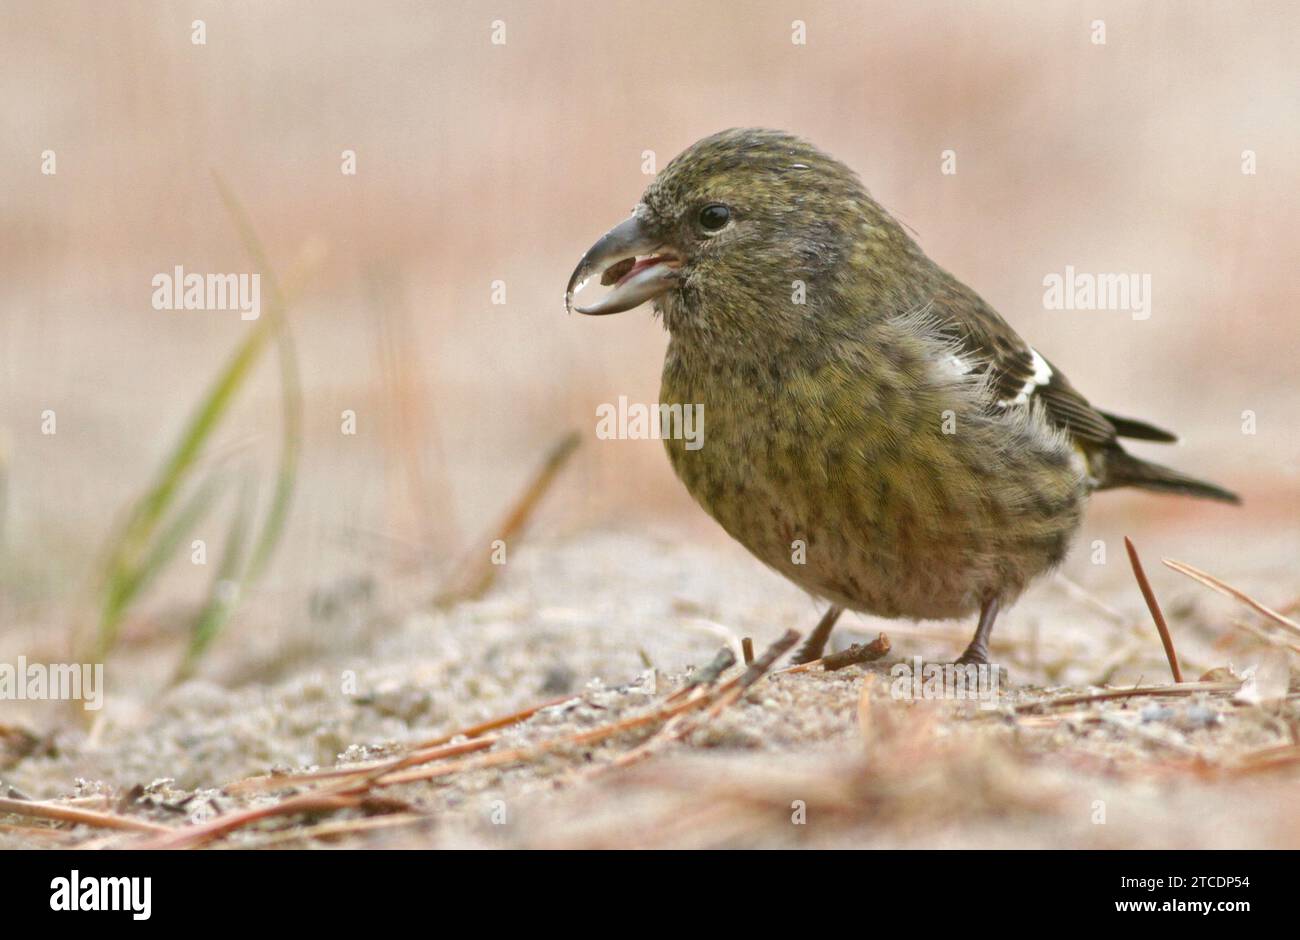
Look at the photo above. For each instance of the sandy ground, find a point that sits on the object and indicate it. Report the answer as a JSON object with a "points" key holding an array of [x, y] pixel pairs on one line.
{"points": [[613, 622], [482, 164]]}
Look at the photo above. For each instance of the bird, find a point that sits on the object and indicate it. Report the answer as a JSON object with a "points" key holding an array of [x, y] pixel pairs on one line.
{"points": [[875, 431]]}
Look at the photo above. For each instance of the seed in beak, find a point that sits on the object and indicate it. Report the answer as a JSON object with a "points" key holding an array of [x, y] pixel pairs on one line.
{"points": [[615, 272]]}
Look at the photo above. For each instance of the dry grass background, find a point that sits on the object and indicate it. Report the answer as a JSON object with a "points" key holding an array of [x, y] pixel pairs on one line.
{"points": [[480, 162]]}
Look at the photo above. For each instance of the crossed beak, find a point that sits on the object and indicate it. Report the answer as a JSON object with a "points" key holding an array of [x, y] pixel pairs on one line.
{"points": [[632, 259]]}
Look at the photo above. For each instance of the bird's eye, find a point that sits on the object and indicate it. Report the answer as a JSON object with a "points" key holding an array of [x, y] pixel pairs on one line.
{"points": [[714, 216]]}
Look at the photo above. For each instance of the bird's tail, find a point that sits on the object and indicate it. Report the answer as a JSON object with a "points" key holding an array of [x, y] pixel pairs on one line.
{"points": [[1123, 469]]}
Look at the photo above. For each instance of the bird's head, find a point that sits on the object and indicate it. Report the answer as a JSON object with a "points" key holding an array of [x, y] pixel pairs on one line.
{"points": [[746, 225]]}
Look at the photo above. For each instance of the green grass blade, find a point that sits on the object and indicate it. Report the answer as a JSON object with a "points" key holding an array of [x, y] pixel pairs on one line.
{"points": [[128, 554], [226, 587], [291, 393], [136, 554]]}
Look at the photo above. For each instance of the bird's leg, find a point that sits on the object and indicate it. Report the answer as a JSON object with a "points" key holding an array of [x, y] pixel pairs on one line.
{"points": [[816, 643], [978, 651]]}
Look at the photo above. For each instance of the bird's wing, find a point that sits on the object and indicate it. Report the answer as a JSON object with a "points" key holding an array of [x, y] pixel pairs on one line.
{"points": [[1018, 375], [1139, 430]]}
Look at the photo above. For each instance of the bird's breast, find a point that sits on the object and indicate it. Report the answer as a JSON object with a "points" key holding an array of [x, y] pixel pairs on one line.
{"points": [[845, 481]]}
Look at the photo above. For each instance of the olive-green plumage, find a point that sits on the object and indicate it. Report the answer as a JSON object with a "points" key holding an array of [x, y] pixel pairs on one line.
{"points": [[873, 430]]}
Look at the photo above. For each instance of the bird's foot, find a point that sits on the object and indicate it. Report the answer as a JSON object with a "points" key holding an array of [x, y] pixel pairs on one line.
{"points": [[808, 652], [976, 654], [813, 647]]}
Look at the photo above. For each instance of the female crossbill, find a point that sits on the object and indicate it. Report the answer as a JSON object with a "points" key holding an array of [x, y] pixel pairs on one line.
{"points": [[876, 432]]}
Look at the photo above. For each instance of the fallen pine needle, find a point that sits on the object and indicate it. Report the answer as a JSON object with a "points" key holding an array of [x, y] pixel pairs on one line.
{"points": [[422, 752], [680, 725], [740, 685], [476, 572], [674, 729], [723, 660], [1184, 688], [1265, 637], [318, 801], [1153, 605], [344, 827], [725, 695], [1211, 581], [353, 786], [421, 756], [80, 817], [494, 723]]}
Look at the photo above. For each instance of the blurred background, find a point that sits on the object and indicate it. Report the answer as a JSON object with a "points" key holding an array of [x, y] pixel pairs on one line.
{"points": [[481, 162]]}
